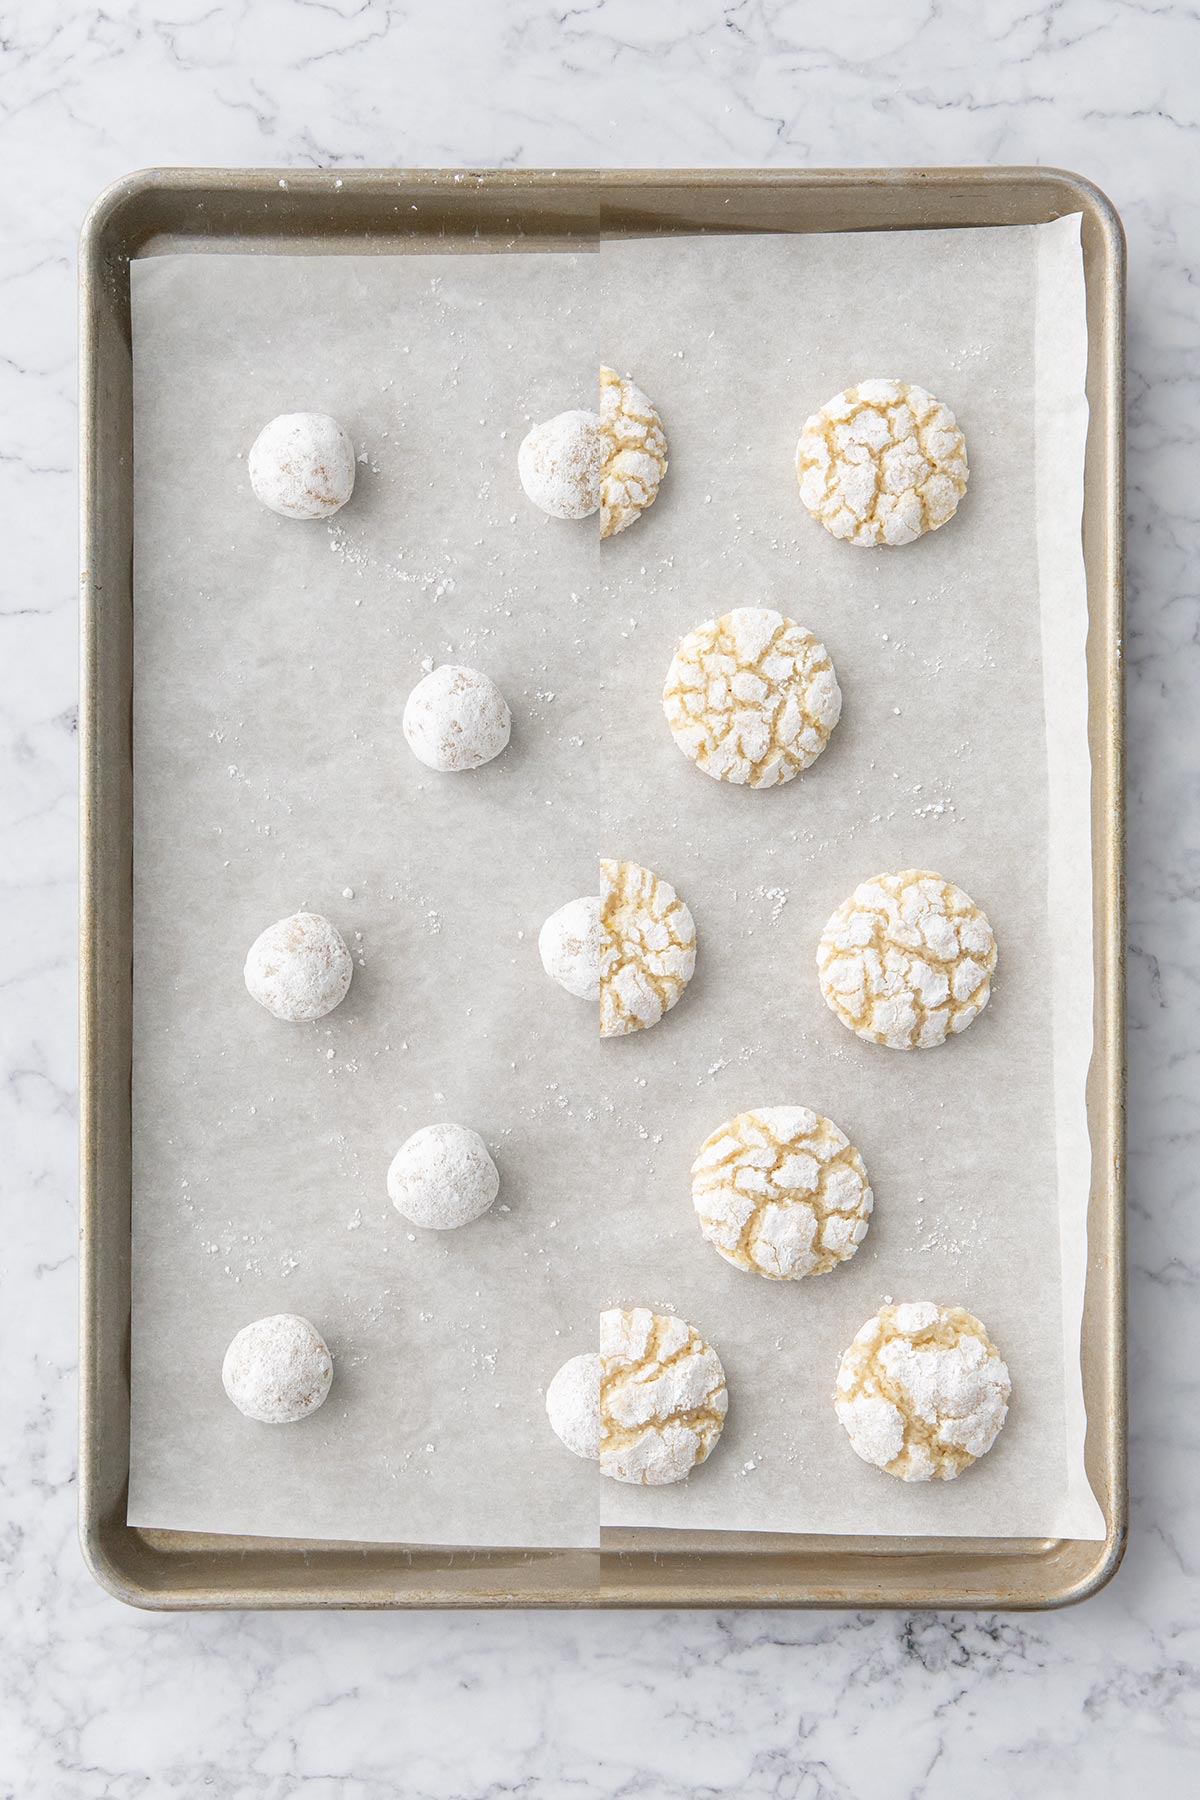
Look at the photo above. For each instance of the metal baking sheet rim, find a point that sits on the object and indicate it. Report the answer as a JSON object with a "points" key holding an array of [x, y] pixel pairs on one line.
{"points": [[272, 210]]}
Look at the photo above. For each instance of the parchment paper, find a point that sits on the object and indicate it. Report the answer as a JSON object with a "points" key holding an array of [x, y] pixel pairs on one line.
{"points": [[272, 664]]}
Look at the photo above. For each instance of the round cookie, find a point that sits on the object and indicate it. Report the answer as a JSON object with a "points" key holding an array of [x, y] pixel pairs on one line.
{"points": [[301, 465], [781, 1192], [277, 1370], [882, 463], [922, 1391], [649, 950], [456, 719], [561, 463], [907, 960], [442, 1177], [573, 1405], [299, 968], [663, 1399], [752, 697], [637, 453], [571, 944]]}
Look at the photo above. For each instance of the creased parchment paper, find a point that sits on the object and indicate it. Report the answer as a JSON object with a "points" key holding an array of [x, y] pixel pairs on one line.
{"points": [[272, 664]]}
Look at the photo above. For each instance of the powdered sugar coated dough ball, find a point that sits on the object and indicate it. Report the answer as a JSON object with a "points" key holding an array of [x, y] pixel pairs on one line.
{"points": [[922, 1391], [561, 464], [571, 944], [456, 719], [442, 1177], [277, 1370], [573, 1405], [302, 466], [299, 968]]}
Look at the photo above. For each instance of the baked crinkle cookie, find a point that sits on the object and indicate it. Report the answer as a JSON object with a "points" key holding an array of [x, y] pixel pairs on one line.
{"points": [[781, 1192], [907, 960], [752, 697], [882, 463], [648, 953], [663, 1398], [636, 458], [922, 1391]]}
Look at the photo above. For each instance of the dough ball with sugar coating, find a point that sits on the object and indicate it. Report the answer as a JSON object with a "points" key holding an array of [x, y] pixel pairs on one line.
{"points": [[561, 463], [573, 1405], [277, 1370], [456, 719], [442, 1177], [299, 968], [571, 943], [922, 1391], [302, 466]]}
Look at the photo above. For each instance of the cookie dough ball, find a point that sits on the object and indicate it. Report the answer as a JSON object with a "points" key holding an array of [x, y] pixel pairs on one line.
{"points": [[455, 719], [781, 1192], [882, 463], [636, 458], [907, 960], [561, 464], [277, 1370], [663, 1399], [752, 697], [648, 953], [573, 1405], [299, 968], [922, 1391], [570, 944], [442, 1177], [302, 466]]}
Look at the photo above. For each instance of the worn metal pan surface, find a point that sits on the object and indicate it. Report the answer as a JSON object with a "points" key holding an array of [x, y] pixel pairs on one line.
{"points": [[263, 212]]}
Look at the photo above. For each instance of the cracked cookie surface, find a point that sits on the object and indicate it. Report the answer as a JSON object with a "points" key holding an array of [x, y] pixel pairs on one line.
{"points": [[882, 463], [649, 949], [663, 1398], [752, 697], [922, 1391], [907, 960], [782, 1192], [637, 453]]}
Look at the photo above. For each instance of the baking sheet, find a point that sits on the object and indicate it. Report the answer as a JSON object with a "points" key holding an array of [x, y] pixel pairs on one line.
{"points": [[271, 774]]}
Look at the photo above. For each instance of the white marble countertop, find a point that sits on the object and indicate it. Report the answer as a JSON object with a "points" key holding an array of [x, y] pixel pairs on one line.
{"points": [[102, 1701]]}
